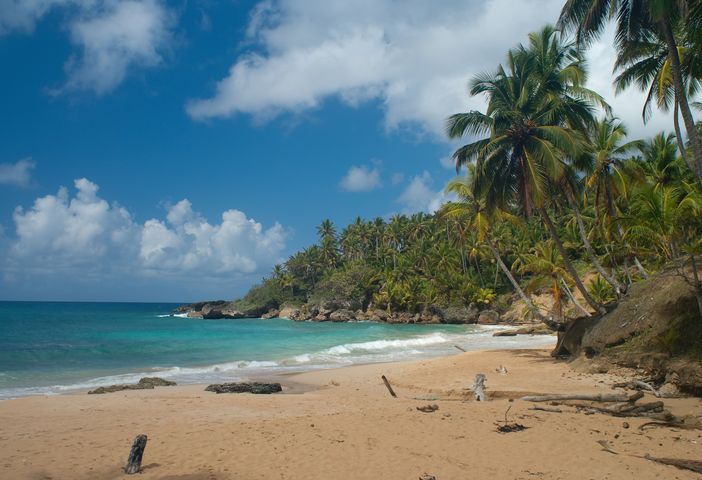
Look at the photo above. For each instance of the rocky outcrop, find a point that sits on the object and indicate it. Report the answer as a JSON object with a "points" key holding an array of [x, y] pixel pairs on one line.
{"points": [[271, 314], [488, 317], [146, 383], [654, 329], [289, 312], [220, 309], [253, 387], [458, 314], [342, 315], [343, 311]]}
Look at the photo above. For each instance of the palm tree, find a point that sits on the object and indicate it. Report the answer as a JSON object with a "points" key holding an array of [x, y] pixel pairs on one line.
{"points": [[661, 164], [474, 212], [544, 262], [532, 125], [328, 243], [637, 20], [645, 62]]}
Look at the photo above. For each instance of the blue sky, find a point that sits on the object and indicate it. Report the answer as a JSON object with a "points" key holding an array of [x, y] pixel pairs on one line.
{"points": [[174, 151]]}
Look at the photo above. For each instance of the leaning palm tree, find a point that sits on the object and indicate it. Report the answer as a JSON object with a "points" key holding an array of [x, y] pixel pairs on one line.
{"points": [[532, 125], [474, 213], [636, 20]]}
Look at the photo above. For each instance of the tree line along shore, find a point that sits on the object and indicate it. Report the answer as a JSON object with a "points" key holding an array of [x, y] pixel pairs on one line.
{"points": [[556, 212]]}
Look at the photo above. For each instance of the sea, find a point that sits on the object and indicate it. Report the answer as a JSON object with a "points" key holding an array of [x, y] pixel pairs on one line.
{"points": [[49, 348]]}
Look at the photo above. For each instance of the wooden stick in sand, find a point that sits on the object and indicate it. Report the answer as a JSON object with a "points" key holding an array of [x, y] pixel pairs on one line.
{"points": [[387, 384], [135, 455]]}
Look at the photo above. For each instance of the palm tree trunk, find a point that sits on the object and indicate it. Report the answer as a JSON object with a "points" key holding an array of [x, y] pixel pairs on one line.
{"points": [[618, 287], [681, 97], [678, 135], [567, 263], [698, 285], [572, 299], [480, 273], [534, 311], [640, 267]]}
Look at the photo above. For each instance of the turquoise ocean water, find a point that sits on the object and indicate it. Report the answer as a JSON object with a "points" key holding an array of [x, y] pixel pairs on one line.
{"points": [[49, 348]]}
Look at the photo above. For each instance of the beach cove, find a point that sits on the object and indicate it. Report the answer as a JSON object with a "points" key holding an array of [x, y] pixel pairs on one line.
{"points": [[343, 424]]}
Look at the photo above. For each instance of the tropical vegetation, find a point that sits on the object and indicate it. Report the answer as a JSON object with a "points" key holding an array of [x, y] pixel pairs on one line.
{"points": [[555, 198]]}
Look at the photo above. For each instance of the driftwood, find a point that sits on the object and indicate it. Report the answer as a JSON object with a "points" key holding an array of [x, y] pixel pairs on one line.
{"points": [[680, 425], [546, 409], [387, 384], [652, 410], [637, 385], [135, 455], [693, 465], [478, 387], [606, 447], [460, 348], [588, 398], [428, 408]]}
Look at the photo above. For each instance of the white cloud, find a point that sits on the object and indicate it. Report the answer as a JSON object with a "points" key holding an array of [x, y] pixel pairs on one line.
{"points": [[117, 37], [419, 196], [113, 36], [416, 57], [360, 179], [85, 235], [22, 15], [19, 174]]}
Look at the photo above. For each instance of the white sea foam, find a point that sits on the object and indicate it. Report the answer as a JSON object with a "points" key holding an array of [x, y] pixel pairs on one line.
{"points": [[179, 315], [384, 350]]}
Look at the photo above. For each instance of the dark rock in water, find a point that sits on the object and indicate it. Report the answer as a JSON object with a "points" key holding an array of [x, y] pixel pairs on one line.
{"points": [[197, 307], [146, 383], [253, 387], [505, 333], [151, 382]]}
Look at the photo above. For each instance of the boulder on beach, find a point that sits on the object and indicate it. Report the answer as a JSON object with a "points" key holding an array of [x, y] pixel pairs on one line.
{"points": [[146, 383], [246, 387]]}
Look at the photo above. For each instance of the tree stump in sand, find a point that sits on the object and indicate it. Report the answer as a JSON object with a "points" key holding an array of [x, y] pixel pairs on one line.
{"points": [[135, 455], [478, 387]]}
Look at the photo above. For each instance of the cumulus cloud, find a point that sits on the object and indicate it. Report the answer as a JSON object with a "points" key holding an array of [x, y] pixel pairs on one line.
{"points": [[419, 196], [415, 57], [360, 179], [18, 174], [112, 36], [84, 234]]}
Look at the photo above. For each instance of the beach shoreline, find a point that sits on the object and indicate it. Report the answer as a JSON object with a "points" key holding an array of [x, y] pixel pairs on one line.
{"points": [[342, 423]]}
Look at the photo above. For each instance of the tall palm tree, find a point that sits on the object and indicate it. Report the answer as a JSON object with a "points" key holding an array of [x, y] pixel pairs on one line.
{"points": [[533, 121], [636, 20], [646, 63], [473, 210]]}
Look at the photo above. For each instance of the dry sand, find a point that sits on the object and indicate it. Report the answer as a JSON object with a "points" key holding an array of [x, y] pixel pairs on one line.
{"points": [[342, 424]]}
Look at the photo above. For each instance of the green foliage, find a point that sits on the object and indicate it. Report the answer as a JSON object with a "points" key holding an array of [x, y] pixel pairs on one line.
{"points": [[600, 290], [484, 297], [354, 282], [538, 149]]}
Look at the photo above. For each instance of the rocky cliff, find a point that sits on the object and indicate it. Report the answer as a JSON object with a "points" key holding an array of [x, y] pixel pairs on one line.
{"points": [[343, 311]]}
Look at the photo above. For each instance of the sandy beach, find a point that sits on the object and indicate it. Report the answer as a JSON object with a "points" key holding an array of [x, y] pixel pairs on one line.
{"points": [[343, 424]]}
